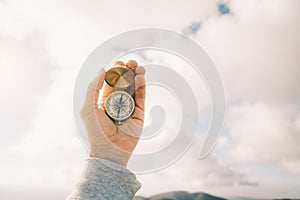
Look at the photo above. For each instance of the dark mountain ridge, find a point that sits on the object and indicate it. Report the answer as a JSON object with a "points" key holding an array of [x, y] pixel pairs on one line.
{"points": [[181, 195]]}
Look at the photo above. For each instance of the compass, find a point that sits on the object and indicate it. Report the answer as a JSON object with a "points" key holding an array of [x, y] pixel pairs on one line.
{"points": [[120, 105]]}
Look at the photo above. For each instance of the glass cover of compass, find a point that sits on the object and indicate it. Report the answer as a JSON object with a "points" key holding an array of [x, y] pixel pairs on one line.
{"points": [[119, 105]]}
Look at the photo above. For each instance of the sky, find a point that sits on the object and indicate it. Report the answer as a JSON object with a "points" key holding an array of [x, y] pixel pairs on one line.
{"points": [[253, 43]]}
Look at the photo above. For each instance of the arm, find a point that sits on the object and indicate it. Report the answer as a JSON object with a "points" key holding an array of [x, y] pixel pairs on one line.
{"points": [[105, 175], [103, 180]]}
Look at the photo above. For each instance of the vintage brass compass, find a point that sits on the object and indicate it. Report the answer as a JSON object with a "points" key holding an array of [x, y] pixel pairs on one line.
{"points": [[120, 104]]}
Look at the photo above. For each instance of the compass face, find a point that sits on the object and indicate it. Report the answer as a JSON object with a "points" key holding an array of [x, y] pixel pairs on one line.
{"points": [[119, 105]]}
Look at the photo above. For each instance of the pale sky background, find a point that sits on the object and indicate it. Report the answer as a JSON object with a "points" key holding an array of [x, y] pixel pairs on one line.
{"points": [[254, 43]]}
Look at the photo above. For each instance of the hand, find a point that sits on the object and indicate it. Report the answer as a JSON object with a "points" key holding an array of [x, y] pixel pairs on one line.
{"points": [[107, 140]]}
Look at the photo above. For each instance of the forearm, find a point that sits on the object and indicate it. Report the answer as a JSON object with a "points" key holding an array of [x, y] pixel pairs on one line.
{"points": [[105, 180]]}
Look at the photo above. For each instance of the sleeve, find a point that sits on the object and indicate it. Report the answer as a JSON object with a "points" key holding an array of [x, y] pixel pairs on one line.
{"points": [[105, 180]]}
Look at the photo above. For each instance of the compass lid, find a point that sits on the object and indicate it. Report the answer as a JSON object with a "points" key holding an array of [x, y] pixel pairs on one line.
{"points": [[119, 77]]}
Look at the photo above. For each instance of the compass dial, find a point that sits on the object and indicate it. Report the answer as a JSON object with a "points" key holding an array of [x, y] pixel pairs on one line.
{"points": [[119, 105]]}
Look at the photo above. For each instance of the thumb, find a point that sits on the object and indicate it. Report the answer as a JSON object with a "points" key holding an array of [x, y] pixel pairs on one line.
{"points": [[94, 88]]}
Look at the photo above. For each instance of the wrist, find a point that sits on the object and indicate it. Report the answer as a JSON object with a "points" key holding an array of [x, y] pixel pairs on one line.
{"points": [[120, 160]]}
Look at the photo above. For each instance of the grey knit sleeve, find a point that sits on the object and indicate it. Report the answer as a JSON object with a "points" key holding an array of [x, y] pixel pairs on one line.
{"points": [[105, 180]]}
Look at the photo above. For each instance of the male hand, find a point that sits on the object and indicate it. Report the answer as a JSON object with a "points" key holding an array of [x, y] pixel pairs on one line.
{"points": [[107, 140]]}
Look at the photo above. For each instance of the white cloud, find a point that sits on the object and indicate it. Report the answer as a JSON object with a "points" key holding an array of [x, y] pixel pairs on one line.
{"points": [[204, 175], [255, 50], [25, 75], [50, 153], [75, 28], [264, 133]]}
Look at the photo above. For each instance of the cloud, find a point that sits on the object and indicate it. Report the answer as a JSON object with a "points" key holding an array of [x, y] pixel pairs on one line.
{"points": [[208, 174], [9, 193], [271, 130], [25, 76], [261, 74], [36, 126], [255, 50], [74, 31], [50, 153]]}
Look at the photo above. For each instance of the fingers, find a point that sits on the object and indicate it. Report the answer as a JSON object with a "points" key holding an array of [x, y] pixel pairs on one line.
{"points": [[131, 64], [93, 89], [99, 84], [119, 63], [107, 91], [138, 115], [140, 70], [140, 88]]}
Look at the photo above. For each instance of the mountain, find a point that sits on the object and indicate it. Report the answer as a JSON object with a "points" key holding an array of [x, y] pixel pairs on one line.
{"points": [[180, 196]]}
